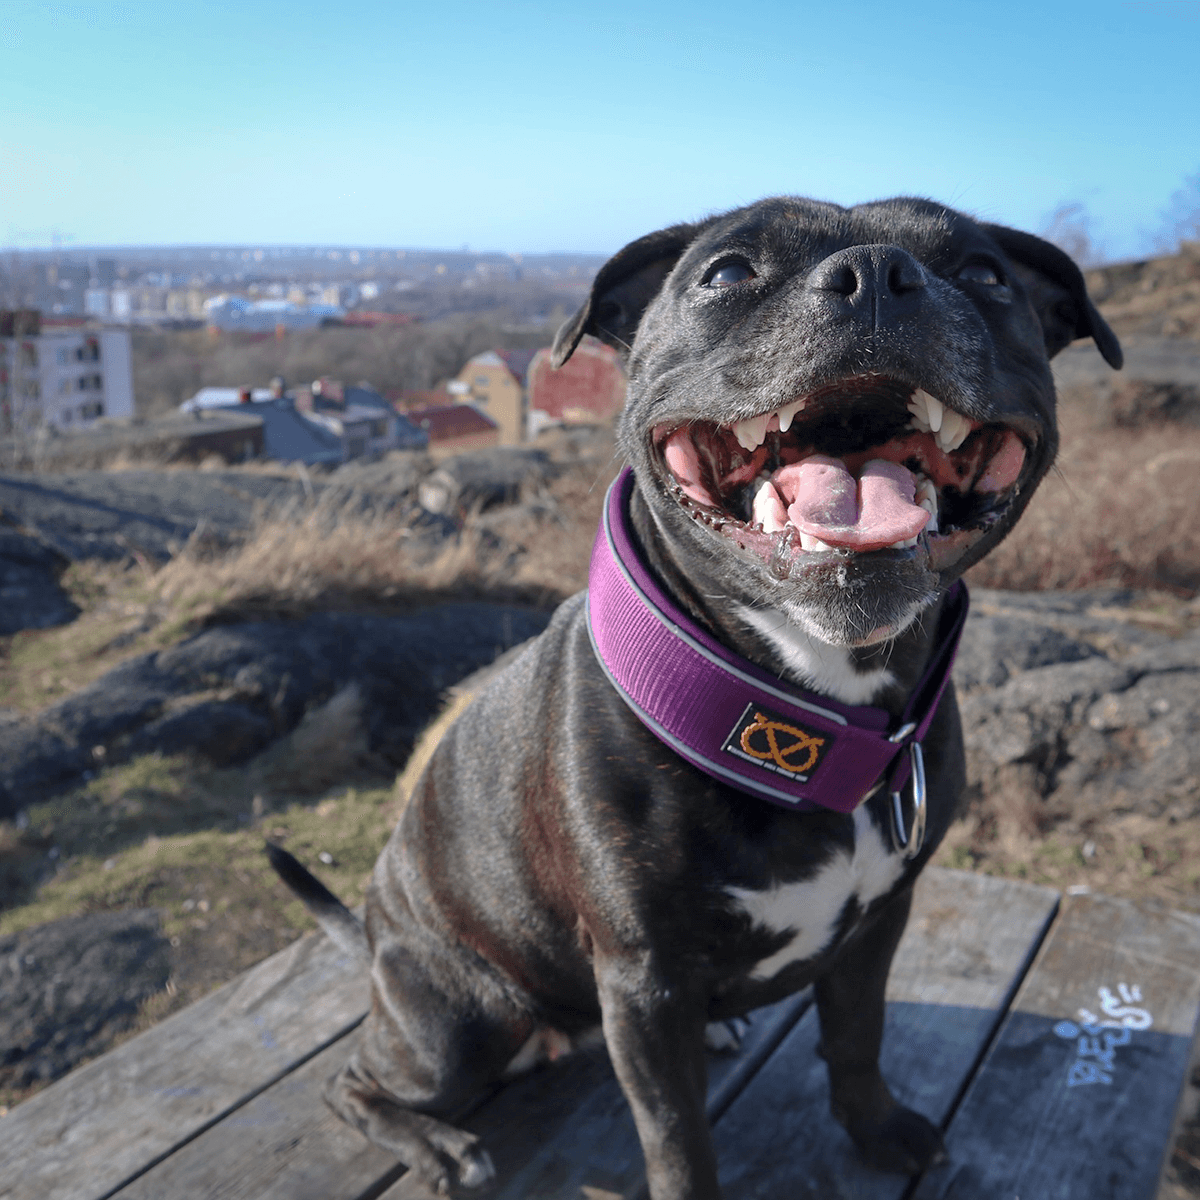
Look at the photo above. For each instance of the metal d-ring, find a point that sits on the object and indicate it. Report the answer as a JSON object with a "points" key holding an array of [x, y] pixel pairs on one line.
{"points": [[909, 839]]}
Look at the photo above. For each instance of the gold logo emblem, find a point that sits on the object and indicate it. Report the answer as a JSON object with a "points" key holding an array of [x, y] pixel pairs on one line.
{"points": [[789, 747]]}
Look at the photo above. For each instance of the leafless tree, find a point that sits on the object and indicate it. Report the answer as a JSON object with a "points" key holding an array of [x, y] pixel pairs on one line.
{"points": [[1181, 218], [1070, 228]]}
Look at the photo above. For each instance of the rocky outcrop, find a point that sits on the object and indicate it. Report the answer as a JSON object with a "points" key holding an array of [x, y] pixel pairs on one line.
{"points": [[67, 988], [485, 479], [1070, 705], [230, 690]]}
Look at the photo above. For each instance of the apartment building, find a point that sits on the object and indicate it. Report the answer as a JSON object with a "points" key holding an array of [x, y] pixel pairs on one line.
{"points": [[65, 375]]}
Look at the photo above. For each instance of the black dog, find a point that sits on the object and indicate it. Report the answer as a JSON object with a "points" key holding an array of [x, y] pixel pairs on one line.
{"points": [[831, 414]]}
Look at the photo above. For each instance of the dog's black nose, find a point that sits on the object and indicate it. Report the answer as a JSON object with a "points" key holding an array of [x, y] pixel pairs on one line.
{"points": [[880, 284]]}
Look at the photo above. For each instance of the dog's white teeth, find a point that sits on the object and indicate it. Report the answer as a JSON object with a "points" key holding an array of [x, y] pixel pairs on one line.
{"points": [[752, 432], [927, 498], [926, 493], [812, 544], [930, 415], [768, 507], [905, 544], [919, 410], [787, 414], [954, 430], [934, 412]]}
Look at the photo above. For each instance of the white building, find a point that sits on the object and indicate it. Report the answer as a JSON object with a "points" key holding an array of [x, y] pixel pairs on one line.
{"points": [[238, 314], [66, 376]]}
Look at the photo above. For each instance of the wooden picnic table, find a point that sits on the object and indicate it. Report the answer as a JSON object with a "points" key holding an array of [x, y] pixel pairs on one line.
{"points": [[1049, 1036]]}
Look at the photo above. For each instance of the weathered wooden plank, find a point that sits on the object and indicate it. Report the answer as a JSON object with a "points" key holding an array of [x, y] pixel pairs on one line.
{"points": [[85, 1135], [1061, 1110], [572, 1136], [969, 940], [284, 1144], [561, 1124]]}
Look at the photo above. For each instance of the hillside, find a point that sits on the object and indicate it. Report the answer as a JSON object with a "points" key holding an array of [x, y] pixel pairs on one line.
{"points": [[1079, 679], [1153, 297]]}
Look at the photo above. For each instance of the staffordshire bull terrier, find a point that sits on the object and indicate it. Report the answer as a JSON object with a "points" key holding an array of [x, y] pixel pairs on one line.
{"points": [[715, 777]]}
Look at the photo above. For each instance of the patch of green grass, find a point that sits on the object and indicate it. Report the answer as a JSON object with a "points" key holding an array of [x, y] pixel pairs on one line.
{"points": [[160, 833], [133, 839], [1056, 855], [102, 845], [959, 858], [225, 867], [120, 616]]}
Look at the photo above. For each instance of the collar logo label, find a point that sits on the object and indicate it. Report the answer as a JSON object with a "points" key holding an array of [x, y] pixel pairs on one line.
{"points": [[770, 740]]}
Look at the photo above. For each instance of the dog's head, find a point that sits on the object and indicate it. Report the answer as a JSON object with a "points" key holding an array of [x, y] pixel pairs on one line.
{"points": [[846, 408]]}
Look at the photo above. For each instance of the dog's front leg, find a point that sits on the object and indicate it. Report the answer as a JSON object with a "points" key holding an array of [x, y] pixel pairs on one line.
{"points": [[655, 1034], [850, 1004]]}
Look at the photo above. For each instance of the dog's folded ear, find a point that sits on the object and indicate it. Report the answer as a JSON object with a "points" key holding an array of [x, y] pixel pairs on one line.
{"points": [[622, 289], [1056, 287]]}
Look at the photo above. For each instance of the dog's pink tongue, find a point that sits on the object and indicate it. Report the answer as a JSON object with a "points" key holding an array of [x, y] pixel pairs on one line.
{"points": [[867, 513]]}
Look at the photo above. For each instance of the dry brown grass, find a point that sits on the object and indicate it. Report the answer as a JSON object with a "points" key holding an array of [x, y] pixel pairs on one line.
{"points": [[1121, 508], [331, 555], [1134, 855], [327, 747]]}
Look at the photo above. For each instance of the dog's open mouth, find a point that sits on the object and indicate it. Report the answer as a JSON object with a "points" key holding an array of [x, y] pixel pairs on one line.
{"points": [[869, 464]]}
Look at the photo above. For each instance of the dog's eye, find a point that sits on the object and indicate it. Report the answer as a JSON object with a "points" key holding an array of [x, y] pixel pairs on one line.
{"points": [[729, 274], [979, 272]]}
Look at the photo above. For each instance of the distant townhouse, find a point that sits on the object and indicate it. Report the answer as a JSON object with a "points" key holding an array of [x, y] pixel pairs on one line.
{"points": [[524, 394], [66, 374], [588, 388], [494, 383], [367, 423]]}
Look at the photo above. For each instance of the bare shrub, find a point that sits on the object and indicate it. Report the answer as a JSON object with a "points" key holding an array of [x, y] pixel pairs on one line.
{"points": [[1070, 227]]}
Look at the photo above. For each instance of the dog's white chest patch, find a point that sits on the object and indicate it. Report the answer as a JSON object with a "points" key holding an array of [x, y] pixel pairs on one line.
{"points": [[809, 910], [812, 663]]}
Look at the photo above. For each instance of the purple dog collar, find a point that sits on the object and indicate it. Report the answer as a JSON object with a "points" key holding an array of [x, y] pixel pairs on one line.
{"points": [[734, 721]]}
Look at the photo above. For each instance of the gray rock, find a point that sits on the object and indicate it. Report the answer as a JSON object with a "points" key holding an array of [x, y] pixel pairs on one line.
{"points": [[996, 648], [30, 595], [230, 690], [69, 987], [484, 479], [1113, 725], [222, 731]]}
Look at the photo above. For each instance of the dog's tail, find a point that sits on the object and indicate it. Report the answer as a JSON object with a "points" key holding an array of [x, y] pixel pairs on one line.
{"points": [[341, 926]]}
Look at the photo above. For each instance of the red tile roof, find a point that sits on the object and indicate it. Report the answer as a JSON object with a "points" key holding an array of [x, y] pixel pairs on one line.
{"points": [[445, 421], [370, 320], [407, 398]]}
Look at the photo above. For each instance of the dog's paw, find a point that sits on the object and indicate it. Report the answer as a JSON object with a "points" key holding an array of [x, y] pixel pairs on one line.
{"points": [[904, 1143], [725, 1037], [468, 1160], [476, 1169]]}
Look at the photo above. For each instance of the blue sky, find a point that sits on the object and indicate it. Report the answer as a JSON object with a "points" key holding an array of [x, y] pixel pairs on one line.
{"points": [[532, 126]]}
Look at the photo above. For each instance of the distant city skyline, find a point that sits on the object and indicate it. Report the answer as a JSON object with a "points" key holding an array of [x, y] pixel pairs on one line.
{"points": [[531, 128]]}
